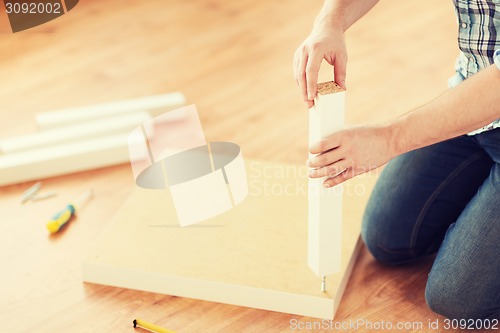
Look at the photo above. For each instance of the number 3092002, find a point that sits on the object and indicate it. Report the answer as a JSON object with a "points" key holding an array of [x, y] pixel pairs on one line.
{"points": [[33, 8]]}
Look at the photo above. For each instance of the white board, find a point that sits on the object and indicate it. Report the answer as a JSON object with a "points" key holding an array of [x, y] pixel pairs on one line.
{"points": [[325, 204], [65, 158], [89, 130], [154, 105]]}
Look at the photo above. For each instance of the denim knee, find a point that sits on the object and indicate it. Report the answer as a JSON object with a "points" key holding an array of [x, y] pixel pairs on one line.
{"points": [[378, 243], [454, 301]]}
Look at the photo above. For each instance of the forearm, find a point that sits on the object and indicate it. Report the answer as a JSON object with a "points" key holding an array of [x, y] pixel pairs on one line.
{"points": [[471, 105], [343, 13]]}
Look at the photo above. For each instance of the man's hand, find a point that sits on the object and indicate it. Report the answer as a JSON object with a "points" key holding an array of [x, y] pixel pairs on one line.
{"points": [[326, 41], [351, 152], [322, 43]]}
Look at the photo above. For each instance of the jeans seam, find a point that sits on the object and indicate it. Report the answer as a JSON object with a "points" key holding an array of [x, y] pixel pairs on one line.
{"points": [[429, 202]]}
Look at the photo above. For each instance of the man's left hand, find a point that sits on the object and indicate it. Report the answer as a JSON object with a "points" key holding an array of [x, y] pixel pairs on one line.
{"points": [[351, 152]]}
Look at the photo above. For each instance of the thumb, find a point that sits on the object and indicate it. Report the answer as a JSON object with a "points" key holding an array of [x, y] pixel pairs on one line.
{"points": [[312, 69], [339, 68]]}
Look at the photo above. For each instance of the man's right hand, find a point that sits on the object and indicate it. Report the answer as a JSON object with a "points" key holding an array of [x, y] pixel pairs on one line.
{"points": [[322, 43]]}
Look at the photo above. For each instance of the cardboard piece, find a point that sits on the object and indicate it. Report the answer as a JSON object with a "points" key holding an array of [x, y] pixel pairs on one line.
{"points": [[254, 255]]}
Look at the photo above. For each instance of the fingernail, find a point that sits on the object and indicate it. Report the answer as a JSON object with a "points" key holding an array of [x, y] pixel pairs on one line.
{"points": [[327, 185], [310, 96]]}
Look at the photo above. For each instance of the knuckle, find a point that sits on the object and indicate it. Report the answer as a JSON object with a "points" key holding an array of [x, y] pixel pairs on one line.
{"points": [[310, 70], [321, 160], [332, 182], [334, 170], [340, 71], [331, 171], [346, 148], [343, 137], [321, 146], [342, 56], [315, 46]]}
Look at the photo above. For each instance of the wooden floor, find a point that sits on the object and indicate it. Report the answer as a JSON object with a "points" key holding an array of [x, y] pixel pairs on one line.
{"points": [[233, 59]]}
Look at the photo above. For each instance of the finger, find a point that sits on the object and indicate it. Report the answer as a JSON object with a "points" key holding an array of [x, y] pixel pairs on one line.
{"points": [[326, 158], [328, 143], [308, 104], [346, 175], [339, 68], [312, 69], [296, 67], [331, 170], [302, 76]]}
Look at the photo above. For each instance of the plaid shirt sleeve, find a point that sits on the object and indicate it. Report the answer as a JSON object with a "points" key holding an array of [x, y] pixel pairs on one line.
{"points": [[496, 58], [478, 41], [496, 123]]}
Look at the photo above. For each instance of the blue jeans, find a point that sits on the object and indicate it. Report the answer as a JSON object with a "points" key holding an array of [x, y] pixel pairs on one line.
{"points": [[444, 198]]}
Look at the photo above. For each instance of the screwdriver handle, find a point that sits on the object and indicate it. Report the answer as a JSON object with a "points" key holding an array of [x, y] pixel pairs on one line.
{"points": [[61, 218]]}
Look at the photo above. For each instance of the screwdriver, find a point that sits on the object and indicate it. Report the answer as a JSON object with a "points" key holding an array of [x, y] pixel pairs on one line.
{"points": [[64, 216]]}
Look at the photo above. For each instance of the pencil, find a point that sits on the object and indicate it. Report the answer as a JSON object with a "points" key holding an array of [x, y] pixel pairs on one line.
{"points": [[151, 327]]}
